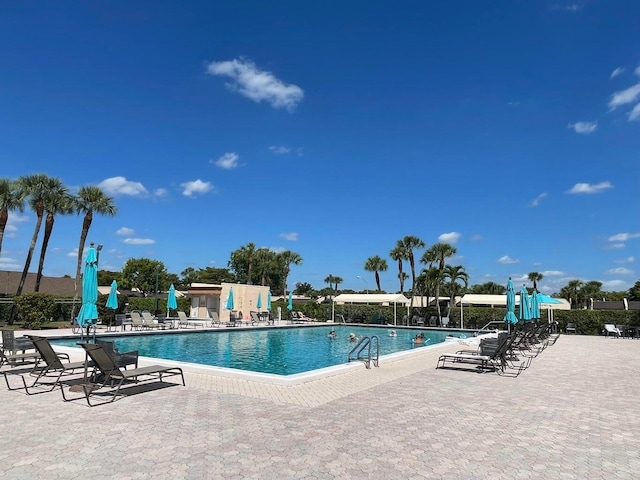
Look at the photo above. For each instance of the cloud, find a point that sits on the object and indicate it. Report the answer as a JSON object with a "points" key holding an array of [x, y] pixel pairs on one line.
{"points": [[451, 237], [588, 188], [9, 264], [616, 72], [626, 260], [138, 241], [476, 237], [637, 71], [228, 161], [536, 201], [584, 128], [570, 7], [125, 231], [635, 113], [256, 84], [11, 227], [73, 253], [292, 236], [195, 187], [121, 186], [278, 249], [160, 192], [623, 237], [630, 95], [280, 149], [552, 273], [615, 246], [613, 285], [619, 271], [507, 260]]}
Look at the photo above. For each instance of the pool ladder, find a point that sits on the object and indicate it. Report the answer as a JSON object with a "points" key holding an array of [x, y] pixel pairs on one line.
{"points": [[362, 351]]}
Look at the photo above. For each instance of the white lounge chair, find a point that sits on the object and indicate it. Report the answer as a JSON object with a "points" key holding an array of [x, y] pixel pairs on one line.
{"points": [[610, 329]]}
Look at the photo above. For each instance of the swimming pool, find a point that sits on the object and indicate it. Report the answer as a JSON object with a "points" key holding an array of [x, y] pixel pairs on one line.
{"points": [[280, 351]]}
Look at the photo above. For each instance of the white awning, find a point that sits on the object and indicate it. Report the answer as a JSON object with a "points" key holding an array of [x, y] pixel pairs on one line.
{"points": [[383, 298]]}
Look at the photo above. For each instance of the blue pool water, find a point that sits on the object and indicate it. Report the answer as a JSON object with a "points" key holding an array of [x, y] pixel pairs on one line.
{"points": [[282, 351]]}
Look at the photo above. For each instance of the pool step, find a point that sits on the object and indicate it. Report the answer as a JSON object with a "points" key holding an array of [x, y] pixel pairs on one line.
{"points": [[362, 351]]}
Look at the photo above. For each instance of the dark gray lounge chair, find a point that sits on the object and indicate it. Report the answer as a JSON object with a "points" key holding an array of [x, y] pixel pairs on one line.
{"points": [[494, 360], [121, 359], [114, 377]]}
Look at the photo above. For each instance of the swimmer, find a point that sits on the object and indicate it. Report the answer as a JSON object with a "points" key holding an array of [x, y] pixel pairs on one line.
{"points": [[352, 337], [332, 334], [392, 333]]}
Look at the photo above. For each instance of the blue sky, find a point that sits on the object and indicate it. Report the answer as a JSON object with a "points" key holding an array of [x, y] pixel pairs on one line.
{"points": [[510, 129]]}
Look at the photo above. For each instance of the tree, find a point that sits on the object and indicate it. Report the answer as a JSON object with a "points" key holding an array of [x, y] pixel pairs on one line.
{"points": [[333, 280], [267, 266], [399, 254], [438, 253], [57, 200], [571, 292], [141, 273], [590, 291], [34, 188], [303, 288], [426, 282], [11, 199], [376, 264], [489, 288], [89, 200], [634, 292], [286, 259], [535, 277], [410, 243], [455, 274]]}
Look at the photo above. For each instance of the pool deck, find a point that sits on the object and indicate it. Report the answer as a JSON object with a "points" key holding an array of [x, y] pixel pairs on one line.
{"points": [[573, 414]]}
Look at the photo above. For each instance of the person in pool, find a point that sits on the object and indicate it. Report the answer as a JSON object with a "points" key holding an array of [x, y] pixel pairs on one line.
{"points": [[332, 334], [419, 338], [392, 333], [352, 337]]}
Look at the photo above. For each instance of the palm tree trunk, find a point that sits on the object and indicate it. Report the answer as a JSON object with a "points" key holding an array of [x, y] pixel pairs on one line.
{"points": [[48, 228], [27, 263], [4, 218]]}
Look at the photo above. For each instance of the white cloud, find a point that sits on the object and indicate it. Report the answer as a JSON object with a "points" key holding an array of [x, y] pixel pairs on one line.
{"points": [[635, 113], [138, 241], [619, 271], [9, 264], [73, 253], [615, 246], [278, 249], [450, 237], [584, 128], [125, 231], [616, 72], [476, 237], [589, 188], [256, 84], [637, 71], [623, 237], [613, 285], [507, 260], [121, 186], [292, 236], [630, 95], [536, 201], [228, 161], [160, 192], [626, 260], [13, 220], [190, 189], [280, 149], [552, 273]]}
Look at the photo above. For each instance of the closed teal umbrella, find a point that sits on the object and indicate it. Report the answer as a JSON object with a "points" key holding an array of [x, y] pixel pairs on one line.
{"points": [[229, 305], [290, 303], [525, 309], [112, 300], [88, 314], [510, 318], [172, 304], [535, 306], [269, 300], [259, 302]]}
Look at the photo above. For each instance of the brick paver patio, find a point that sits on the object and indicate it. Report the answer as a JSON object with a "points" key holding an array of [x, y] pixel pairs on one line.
{"points": [[573, 414]]}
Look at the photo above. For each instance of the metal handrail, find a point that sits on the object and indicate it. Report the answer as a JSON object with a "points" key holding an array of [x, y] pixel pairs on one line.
{"points": [[498, 322], [366, 342]]}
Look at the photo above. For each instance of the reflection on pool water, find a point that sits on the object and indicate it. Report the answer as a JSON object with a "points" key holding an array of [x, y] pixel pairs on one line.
{"points": [[281, 351]]}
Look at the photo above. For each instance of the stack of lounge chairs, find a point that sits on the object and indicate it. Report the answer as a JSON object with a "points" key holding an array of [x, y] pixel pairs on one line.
{"points": [[509, 353]]}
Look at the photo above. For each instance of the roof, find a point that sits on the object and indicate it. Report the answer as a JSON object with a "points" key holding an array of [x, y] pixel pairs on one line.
{"points": [[501, 300], [62, 286], [383, 298]]}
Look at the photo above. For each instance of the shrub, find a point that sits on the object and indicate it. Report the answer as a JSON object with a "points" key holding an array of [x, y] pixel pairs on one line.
{"points": [[34, 309]]}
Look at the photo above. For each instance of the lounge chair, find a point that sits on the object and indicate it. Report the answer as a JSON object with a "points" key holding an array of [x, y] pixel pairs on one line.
{"points": [[611, 330], [185, 322], [56, 363], [136, 321], [215, 318], [149, 322], [13, 344], [121, 359], [495, 360], [114, 377], [570, 328]]}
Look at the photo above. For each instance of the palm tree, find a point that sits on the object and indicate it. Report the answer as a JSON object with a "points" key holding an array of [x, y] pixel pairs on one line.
{"points": [[438, 253], [248, 252], [34, 188], [376, 264], [426, 283], [265, 263], [337, 281], [535, 277], [286, 259], [89, 200], [399, 254], [571, 292], [411, 242], [455, 273], [330, 279], [57, 201], [11, 199]]}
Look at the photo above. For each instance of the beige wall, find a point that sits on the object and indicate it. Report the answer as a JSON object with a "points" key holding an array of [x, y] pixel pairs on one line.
{"points": [[245, 299]]}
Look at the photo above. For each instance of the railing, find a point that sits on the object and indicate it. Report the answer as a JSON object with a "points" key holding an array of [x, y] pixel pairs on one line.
{"points": [[493, 322], [364, 345]]}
